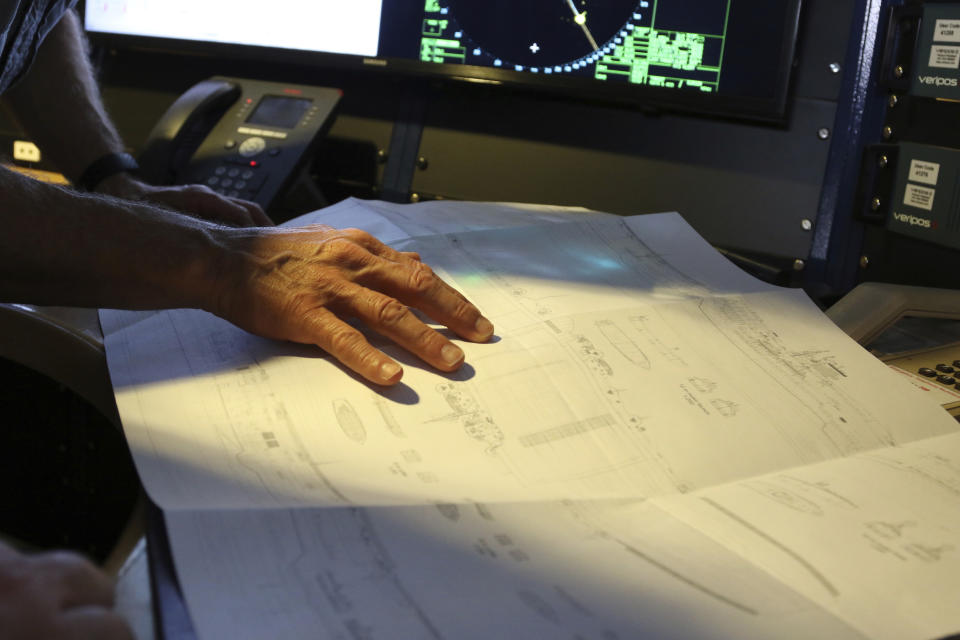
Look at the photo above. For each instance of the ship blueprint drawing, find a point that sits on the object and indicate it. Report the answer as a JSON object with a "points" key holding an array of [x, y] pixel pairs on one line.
{"points": [[654, 441]]}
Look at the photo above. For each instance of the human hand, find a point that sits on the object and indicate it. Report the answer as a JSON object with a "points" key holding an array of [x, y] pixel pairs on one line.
{"points": [[303, 284], [196, 200], [56, 596]]}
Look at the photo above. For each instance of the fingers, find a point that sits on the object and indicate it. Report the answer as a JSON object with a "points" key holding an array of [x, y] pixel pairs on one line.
{"points": [[415, 284], [201, 201], [255, 212], [76, 581], [56, 596], [402, 276], [384, 283], [82, 623], [394, 320], [389, 318], [231, 211], [378, 248], [350, 347], [305, 282]]}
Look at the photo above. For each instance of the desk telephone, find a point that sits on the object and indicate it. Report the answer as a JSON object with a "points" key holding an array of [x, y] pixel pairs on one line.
{"points": [[242, 138]]}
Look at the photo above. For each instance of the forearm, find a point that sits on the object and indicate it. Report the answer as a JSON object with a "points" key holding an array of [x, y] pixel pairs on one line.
{"points": [[58, 102], [61, 247]]}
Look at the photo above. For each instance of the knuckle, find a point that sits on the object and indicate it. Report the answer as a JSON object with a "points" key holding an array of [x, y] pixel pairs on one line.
{"points": [[343, 249], [345, 341], [422, 278], [390, 312], [198, 191], [65, 559], [464, 309], [65, 565], [429, 339], [357, 235]]}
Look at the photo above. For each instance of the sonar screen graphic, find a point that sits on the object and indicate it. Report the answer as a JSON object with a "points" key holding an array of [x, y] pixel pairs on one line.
{"points": [[667, 43]]}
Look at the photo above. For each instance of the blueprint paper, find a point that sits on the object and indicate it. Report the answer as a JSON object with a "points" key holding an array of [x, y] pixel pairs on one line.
{"points": [[631, 362], [473, 571], [873, 538]]}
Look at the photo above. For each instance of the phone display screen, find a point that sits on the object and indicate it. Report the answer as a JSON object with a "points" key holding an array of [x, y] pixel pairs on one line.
{"points": [[279, 111]]}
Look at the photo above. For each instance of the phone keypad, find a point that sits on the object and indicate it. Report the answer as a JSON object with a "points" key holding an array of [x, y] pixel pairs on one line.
{"points": [[945, 374], [236, 181]]}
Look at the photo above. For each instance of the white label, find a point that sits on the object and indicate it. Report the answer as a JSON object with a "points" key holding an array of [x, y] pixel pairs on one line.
{"points": [[947, 31], [945, 57], [925, 172], [920, 197]]}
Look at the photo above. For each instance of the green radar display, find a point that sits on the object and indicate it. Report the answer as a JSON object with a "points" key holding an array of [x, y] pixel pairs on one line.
{"points": [[607, 40], [541, 33]]}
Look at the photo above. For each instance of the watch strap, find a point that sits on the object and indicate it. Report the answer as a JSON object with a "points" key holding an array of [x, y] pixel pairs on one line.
{"points": [[104, 167]]}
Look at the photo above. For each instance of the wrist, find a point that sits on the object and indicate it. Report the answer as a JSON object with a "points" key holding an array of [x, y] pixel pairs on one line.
{"points": [[104, 168]]}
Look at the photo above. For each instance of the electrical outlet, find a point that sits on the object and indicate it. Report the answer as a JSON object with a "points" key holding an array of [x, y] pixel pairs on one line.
{"points": [[25, 151]]}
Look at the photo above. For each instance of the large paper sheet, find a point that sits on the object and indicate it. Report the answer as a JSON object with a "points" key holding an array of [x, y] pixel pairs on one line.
{"points": [[631, 362]]}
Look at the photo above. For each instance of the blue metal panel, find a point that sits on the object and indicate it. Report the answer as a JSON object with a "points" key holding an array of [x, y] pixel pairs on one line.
{"points": [[835, 253]]}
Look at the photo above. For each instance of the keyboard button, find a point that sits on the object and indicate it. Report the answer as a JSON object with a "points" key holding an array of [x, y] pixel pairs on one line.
{"points": [[945, 368], [945, 379], [928, 372]]}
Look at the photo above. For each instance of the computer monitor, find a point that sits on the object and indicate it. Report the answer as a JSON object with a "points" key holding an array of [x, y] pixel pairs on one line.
{"points": [[720, 57]]}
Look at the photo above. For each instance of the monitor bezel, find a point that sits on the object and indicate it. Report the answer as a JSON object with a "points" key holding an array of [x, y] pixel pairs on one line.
{"points": [[772, 110]]}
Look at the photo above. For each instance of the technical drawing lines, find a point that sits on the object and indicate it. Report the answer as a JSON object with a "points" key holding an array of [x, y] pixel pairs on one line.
{"points": [[566, 430], [623, 343], [368, 534], [466, 410], [581, 513], [784, 497], [823, 490], [349, 420], [389, 420], [748, 333], [636, 255], [645, 327], [935, 469], [686, 580], [803, 562]]}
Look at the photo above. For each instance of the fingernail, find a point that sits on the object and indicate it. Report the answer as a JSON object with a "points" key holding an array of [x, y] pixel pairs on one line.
{"points": [[390, 370], [484, 326], [451, 354]]}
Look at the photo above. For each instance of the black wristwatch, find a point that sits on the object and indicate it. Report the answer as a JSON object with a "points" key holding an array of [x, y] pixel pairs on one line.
{"points": [[104, 167]]}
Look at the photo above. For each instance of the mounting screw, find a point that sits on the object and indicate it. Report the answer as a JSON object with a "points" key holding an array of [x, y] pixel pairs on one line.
{"points": [[892, 101], [823, 133], [883, 161], [806, 225], [875, 204], [898, 71], [422, 163], [834, 67], [414, 197], [887, 132], [798, 265], [864, 262]]}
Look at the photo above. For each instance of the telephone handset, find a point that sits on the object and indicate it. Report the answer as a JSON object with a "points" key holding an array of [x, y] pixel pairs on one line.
{"points": [[242, 138]]}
